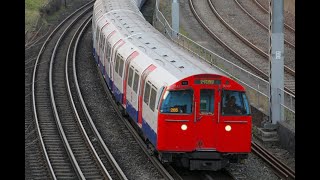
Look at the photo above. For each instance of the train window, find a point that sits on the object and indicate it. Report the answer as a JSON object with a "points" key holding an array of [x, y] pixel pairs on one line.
{"points": [[177, 102], [136, 82], [234, 103], [206, 101], [97, 35], [106, 50], [117, 64], [130, 76], [121, 67], [153, 99], [103, 44], [101, 40], [146, 93]]}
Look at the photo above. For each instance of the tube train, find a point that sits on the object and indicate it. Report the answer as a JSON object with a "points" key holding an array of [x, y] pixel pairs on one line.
{"points": [[177, 101]]}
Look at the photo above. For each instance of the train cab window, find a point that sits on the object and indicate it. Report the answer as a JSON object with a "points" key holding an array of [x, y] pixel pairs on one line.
{"points": [[136, 82], [130, 77], [234, 103], [177, 102], [146, 93], [153, 99], [206, 101]]}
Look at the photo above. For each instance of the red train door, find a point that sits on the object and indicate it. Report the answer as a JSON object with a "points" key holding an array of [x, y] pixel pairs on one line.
{"points": [[206, 116]]}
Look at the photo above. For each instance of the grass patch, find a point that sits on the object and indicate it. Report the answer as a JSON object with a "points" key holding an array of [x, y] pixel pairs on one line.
{"points": [[54, 16], [183, 31], [32, 14]]}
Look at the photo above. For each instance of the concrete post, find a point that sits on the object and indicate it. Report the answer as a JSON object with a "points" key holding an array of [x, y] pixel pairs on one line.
{"points": [[276, 57], [175, 17]]}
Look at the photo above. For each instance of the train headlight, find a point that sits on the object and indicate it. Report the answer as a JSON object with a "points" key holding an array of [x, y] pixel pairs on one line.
{"points": [[228, 128], [184, 127]]}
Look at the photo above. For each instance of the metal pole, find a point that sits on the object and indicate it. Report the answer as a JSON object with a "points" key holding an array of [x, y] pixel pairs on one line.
{"points": [[175, 17], [276, 57]]}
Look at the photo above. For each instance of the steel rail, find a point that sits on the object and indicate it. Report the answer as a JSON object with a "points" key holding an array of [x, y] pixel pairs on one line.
{"points": [[53, 102], [228, 48], [34, 108], [267, 11], [282, 169], [105, 149], [83, 26], [243, 39], [260, 23]]}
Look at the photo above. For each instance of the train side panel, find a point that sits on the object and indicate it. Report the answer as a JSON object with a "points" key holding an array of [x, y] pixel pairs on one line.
{"points": [[154, 86]]}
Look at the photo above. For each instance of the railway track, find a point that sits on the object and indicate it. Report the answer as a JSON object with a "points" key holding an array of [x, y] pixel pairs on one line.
{"points": [[244, 40], [64, 134], [56, 159], [282, 170], [262, 70], [287, 26], [264, 26]]}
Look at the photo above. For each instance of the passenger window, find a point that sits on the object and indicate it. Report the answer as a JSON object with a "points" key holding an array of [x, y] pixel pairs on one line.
{"points": [[103, 42], [146, 93], [97, 35], [130, 77], [121, 67], [206, 101], [101, 39], [153, 98], [106, 50], [136, 82], [117, 64]]}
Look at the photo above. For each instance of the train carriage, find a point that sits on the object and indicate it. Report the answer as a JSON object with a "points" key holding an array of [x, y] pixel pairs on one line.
{"points": [[179, 103]]}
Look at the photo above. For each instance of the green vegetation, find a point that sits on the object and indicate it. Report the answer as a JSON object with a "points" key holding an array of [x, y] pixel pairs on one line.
{"points": [[254, 130], [165, 8], [183, 31], [32, 12]]}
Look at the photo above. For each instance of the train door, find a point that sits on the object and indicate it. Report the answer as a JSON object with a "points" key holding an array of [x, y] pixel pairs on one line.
{"points": [[108, 59], [206, 116], [113, 54], [144, 75], [132, 93], [126, 73], [100, 41]]}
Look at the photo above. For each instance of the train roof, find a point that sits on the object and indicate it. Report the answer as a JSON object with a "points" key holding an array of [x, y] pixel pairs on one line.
{"points": [[129, 21]]}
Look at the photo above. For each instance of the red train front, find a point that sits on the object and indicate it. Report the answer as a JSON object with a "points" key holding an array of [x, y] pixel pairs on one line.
{"points": [[204, 122]]}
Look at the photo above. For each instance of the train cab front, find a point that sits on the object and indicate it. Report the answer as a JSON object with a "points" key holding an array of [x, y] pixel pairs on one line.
{"points": [[204, 122]]}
